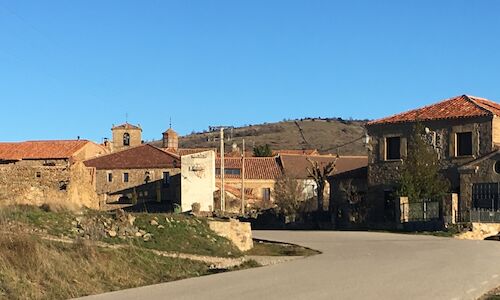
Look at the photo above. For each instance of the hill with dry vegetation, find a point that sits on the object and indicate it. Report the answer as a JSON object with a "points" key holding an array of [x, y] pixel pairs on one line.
{"points": [[333, 135]]}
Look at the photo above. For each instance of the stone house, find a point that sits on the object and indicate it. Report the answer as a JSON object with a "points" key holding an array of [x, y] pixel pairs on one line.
{"points": [[48, 172], [142, 173], [260, 176], [463, 130]]}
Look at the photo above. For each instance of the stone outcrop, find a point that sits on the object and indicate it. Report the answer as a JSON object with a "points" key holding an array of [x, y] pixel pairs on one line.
{"points": [[240, 233]]}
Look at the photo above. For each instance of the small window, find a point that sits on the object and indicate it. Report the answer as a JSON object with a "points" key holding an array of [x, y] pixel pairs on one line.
{"points": [[147, 177], [38, 174], [110, 177], [166, 178], [125, 177], [497, 167], [393, 148], [266, 194], [126, 139], [464, 143]]}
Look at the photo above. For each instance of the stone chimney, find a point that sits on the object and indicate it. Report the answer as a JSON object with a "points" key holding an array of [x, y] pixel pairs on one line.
{"points": [[170, 139]]}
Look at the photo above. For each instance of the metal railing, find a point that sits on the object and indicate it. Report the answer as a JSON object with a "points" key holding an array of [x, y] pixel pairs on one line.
{"points": [[479, 215], [420, 211]]}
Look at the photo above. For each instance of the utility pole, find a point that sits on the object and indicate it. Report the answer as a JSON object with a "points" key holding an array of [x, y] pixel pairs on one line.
{"points": [[222, 192], [243, 179]]}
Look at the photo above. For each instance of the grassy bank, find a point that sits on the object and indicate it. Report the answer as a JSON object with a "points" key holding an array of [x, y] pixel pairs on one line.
{"points": [[32, 268]]}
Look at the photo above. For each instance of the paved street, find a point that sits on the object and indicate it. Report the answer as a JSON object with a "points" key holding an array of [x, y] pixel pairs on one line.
{"points": [[354, 265]]}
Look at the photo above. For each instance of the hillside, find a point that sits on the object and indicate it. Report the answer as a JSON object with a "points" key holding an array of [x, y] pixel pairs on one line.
{"points": [[322, 134]]}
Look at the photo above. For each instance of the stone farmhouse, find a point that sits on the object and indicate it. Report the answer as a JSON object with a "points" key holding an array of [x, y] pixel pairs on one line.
{"points": [[138, 174], [48, 172], [464, 131]]}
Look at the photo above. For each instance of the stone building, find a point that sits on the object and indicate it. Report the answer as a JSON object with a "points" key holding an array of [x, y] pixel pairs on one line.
{"points": [[48, 172], [464, 131], [125, 136], [260, 176], [138, 174]]}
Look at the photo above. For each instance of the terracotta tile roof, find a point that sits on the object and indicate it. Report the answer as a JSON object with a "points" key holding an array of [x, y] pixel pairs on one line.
{"points": [[464, 106], [296, 152], [187, 151], [62, 149], [141, 157], [255, 167], [296, 166], [126, 126]]}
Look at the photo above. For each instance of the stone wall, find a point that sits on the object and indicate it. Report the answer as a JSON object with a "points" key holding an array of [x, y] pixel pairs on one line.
{"points": [[482, 171], [34, 182], [240, 233], [154, 189]]}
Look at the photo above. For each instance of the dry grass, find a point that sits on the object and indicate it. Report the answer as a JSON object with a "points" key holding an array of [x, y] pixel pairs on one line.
{"points": [[31, 268], [324, 135]]}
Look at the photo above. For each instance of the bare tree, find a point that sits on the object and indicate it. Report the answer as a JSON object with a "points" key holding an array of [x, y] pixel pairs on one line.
{"points": [[287, 195], [320, 173]]}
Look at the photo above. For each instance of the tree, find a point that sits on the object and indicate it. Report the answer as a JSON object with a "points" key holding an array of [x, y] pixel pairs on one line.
{"points": [[320, 173], [262, 151], [287, 194], [421, 177]]}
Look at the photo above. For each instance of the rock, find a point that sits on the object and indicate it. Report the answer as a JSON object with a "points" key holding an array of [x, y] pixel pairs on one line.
{"points": [[138, 234], [74, 223], [153, 222], [111, 233], [161, 226], [142, 232], [167, 219], [147, 237]]}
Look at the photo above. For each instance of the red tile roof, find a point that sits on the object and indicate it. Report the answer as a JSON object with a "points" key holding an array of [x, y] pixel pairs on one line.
{"points": [[464, 106], [255, 167], [57, 149], [126, 126], [296, 166], [187, 151], [141, 157], [296, 152]]}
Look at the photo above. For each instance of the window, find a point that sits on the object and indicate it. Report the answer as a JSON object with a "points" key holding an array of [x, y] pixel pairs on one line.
{"points": [[266, 194], [392, 148], [126, 139], [166, 178], [228, 171], [147, 177], [38, 174], [464, 143], [496, 167], [125, 177], [110, 177]]}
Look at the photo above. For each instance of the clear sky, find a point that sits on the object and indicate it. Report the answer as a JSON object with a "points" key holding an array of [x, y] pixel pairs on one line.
{"points": [[74, 68]]}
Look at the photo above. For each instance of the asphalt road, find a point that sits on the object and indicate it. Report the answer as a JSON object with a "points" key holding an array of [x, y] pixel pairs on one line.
{"points": [[353, 265]]}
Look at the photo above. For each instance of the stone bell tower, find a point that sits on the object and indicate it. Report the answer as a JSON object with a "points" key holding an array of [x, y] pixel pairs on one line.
{"points": [[126, 136]]}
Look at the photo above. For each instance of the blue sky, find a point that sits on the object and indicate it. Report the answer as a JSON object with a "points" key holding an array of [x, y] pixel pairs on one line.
{"points": [[74, 68]]}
